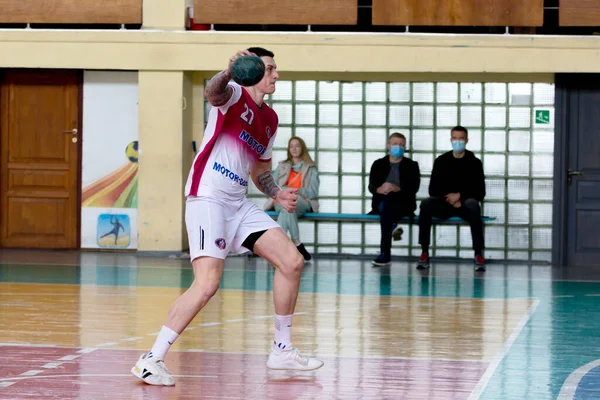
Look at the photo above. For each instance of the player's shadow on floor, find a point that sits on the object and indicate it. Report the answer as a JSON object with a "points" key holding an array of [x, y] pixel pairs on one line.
{"points": [[292, 385]]}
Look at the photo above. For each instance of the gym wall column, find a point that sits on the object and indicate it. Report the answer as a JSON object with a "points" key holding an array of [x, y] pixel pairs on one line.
{"points": [[164, 14], [193, 127], [161, 140], [160, 198]]}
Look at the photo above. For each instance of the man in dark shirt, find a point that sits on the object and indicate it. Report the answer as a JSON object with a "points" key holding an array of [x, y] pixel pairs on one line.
{"points": [[457, 186], [394, 181]]}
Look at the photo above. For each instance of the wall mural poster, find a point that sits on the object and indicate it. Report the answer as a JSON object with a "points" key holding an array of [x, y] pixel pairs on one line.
{"points": [[114, 230], [109, 197], [117, 189]]}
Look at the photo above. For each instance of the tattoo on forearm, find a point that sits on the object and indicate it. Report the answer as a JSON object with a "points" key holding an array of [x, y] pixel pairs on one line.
{"points": [[217, 91], [266, 184]]}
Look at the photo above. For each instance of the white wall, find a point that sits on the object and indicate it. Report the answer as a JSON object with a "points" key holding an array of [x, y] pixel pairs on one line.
{"points": [[109, 177]]}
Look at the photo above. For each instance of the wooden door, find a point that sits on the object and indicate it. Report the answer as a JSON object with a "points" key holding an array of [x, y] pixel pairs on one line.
{"points": [[39, 159]]}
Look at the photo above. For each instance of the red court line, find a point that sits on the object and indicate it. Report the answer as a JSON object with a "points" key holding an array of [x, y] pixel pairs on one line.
{"points": [[234, 376]]}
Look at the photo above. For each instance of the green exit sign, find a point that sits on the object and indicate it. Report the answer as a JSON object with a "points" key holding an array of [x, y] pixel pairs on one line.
{"points": [[542, 117]]}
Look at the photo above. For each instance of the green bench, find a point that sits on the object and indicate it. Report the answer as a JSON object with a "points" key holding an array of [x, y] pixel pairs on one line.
{"points": [[337, 217]]}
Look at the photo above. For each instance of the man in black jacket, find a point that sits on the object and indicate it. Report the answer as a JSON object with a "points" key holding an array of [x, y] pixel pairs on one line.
{"points": [[394, 181], [457, 186]]}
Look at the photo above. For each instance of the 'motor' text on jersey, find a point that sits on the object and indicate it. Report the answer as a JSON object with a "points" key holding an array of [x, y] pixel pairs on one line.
{"points": [[254, 145]]}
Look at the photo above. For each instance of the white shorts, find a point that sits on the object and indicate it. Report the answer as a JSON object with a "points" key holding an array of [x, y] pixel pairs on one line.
{"points": [[216, 228]]}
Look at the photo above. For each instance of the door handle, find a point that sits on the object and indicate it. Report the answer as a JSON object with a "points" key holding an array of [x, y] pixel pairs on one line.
{"points": [[576, 173], [571, 174], [74, 133]]}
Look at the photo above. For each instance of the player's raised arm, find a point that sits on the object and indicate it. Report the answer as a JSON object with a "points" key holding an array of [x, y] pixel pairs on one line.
{"points": [[217, 91]]}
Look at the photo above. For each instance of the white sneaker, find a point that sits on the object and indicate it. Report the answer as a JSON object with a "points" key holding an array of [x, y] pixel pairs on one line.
{"points": [[291, 359], [152, 371]]}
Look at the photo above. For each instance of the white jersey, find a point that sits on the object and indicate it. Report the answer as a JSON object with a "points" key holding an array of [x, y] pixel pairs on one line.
{"points": [[236, 136]]}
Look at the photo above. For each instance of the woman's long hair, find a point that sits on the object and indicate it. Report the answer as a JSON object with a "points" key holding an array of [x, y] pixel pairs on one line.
{"points": [[304, 155]]}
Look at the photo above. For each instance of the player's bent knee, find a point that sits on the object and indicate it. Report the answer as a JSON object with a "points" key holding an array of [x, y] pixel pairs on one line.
{"points": [[207, 277], [296, 264], [211, 290], [205, 289], [299, 262]]}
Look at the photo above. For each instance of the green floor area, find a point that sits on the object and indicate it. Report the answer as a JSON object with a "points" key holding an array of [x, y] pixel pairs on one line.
{"points": [[561, 335], [327, 277]]}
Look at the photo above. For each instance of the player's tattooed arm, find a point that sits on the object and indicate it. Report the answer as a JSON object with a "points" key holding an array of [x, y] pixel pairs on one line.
{"points": [[266, 184], [263, 179], [217, 91]]}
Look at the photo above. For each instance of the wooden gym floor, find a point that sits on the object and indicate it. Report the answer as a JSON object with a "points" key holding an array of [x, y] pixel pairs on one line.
{"points": [[73, 324]]}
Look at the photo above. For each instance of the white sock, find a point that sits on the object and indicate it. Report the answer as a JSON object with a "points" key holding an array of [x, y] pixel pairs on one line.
{"points": [[283, 331], [163, 343]]}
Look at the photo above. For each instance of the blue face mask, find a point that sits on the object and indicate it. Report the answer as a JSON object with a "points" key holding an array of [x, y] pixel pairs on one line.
{"points": [[397, 151], [458, 146]]}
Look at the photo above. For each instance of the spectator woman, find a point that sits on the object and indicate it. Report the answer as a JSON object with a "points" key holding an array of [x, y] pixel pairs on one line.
{"points": [[298, 171]]}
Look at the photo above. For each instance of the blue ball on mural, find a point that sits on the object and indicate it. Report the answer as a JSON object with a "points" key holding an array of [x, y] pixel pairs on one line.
{"points": [[131, 151]]}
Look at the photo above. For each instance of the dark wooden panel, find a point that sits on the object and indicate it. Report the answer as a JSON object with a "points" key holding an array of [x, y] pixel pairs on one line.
{"points": [[279, 12], [459, 12], [25, 215], [41, 180], [71, 11], [579, 13]]}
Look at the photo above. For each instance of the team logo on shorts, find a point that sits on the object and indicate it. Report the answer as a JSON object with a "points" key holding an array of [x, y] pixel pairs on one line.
{"points": [[221, 244]]}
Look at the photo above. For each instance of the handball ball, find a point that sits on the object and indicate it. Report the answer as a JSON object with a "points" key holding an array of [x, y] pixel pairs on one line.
{"points": [[131, 151], [247, 70]]}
